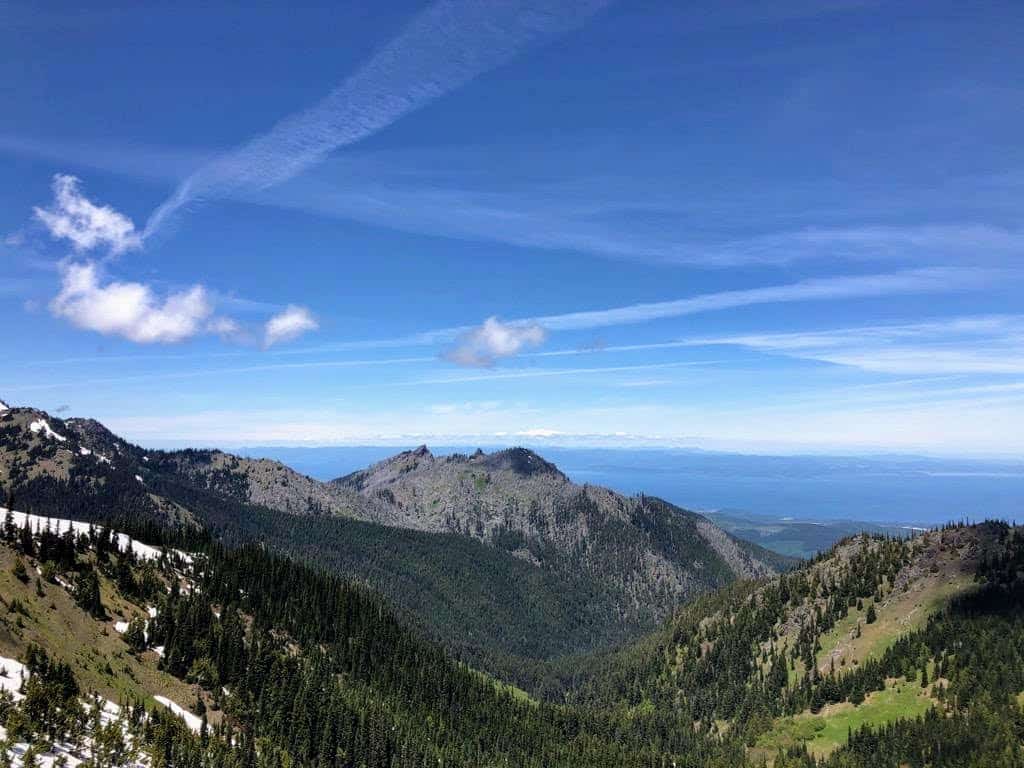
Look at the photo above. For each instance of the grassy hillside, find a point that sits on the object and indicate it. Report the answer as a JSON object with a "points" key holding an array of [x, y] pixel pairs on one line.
{"points": [[855, 639], [43, 613], [825, 731]]}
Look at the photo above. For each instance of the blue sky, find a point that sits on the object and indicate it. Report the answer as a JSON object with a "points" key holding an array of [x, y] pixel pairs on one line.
{"points": [[777, 227]]}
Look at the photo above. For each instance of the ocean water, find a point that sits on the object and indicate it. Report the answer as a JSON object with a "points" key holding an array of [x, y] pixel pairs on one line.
{"points": [[885, 489]]}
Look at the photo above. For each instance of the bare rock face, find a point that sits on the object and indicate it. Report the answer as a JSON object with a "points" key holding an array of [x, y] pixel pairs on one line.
{"points": [[514, 499], [264, 482]]}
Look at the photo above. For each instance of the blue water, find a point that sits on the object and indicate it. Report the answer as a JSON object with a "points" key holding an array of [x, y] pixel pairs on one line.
{"points": [[899, 489]]}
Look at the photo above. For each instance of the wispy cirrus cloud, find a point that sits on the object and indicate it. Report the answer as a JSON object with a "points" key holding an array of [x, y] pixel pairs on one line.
{"points": [[646, 217], [926, 280], [969, 345], [543, 373], [612, 218], [441, 49], [841, 288]]}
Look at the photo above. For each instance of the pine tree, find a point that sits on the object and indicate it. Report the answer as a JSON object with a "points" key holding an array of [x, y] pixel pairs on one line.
{"points": [[135, 634], [87, 593]]}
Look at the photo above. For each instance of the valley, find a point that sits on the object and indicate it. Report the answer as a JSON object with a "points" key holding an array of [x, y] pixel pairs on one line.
{"points": [[526, 592], [466, 546]]}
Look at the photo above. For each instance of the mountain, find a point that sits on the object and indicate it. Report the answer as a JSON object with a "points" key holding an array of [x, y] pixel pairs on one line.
{"points": [[870, 635], [499, 556], [653, 552], [882, 651]]}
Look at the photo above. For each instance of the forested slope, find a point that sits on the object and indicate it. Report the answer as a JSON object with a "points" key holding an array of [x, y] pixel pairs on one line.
{"points": [[280, 665], [891, 639], [550, 575]]}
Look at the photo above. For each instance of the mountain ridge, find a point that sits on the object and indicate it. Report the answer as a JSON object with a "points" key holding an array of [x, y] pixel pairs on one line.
{"points": [[511, 541]]}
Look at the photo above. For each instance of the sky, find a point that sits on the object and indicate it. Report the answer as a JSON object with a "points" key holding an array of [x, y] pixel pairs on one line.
{"points": [[768, 227]]}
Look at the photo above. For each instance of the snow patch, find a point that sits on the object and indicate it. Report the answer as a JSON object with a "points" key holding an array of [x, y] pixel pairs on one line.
{"points": [[42, 425], [83, 451], [11, 675], [4, 406], [58, 525], [139, 478], [69, 754], [191, 720], [120, 627]]}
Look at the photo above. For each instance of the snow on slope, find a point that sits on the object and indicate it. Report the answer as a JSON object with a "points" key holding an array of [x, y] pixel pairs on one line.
{"points": [[72, 755], [42, 425], [59, 525], [191, 720], [11, 674]]}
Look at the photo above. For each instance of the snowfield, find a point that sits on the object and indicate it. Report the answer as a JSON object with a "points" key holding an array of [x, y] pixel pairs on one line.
{"points": [[72, 756], [11, 674], [42, 425], [59, 525], [193, 722]]}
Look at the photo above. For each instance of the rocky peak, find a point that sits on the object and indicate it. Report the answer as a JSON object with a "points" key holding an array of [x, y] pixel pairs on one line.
{"points": [[389, 469], [521, 461]]}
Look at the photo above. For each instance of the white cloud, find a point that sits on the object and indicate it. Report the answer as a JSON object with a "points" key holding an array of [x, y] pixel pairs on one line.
{"points": [[539, 432], [76, 218], [483, 346], [288, 325], [227, 328], [130, 310]]}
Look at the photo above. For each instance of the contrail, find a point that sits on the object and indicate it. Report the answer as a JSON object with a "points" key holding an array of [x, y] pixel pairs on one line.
{"points": [[442, 48]]}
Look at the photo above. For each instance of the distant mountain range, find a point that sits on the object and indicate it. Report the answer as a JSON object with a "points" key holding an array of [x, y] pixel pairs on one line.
{"points": [[837, 491], [496, 554]]}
